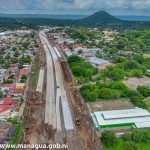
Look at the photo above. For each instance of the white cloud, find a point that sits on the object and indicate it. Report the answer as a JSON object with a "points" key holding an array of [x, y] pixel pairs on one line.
{"points": [[76, 6]]}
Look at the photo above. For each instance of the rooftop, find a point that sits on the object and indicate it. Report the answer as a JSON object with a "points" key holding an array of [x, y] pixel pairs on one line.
{"points": [[138, 117], [96, 60]]}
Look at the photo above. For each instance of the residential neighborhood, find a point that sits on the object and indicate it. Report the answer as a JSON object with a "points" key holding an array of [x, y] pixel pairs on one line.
{"points": [[17, 48]]}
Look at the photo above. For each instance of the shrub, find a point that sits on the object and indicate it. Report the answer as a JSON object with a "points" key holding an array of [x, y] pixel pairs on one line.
{"points": [[107, 93], [108, 138], [145, 91]]}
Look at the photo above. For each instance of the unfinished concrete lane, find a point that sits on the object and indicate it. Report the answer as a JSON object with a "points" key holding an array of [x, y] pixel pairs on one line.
{"points": [[40, 81], [68, 122], [50, 114], [56, 97]]}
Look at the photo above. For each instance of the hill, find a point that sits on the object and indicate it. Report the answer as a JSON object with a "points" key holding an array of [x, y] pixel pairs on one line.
{"points": [[98, 19]]}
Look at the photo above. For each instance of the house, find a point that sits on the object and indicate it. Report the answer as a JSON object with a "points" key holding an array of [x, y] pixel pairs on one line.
{"points": [[16, 92], [102, 63], [7, 86], [13, 65], [23, 72], [68, 53], [78, 46], [2, 71], [20, 85], [8, 101], [88, 54], [88, 50], [63, 45], [126, 53]]}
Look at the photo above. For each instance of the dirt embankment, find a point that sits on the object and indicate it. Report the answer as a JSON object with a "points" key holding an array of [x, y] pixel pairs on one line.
{"points": [[84, 129]]}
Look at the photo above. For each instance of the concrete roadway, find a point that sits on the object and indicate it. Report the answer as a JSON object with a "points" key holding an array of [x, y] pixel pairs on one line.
{"points": [[40, 81], [56, 94]]}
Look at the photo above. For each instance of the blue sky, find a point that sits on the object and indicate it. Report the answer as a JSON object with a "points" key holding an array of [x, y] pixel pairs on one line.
{"points": [[115, 7]]}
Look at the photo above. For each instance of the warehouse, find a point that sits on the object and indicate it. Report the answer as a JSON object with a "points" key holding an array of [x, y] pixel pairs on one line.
{"points": [[132, 118]]}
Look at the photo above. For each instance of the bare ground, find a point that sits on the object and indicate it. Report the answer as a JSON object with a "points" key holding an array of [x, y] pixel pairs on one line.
{"points": [[133, 83], [110, 105]]}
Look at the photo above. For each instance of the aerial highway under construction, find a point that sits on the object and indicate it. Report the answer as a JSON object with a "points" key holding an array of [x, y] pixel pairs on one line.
{"points": [[66, 119], [56, 97]]}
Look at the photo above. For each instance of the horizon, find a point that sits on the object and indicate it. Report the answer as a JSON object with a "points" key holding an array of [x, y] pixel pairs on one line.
{"points": [[70, 14]]}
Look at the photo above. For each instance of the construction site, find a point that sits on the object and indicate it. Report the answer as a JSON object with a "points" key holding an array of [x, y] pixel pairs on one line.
{"points": [[55, 111]]}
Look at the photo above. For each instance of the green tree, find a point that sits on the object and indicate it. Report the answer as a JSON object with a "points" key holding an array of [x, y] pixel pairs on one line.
{"points": [[144, 90], [20, 65], [24, 77], [1, 94], [131, 146], [117, 74], [108, 138], [130, 64], [16, 54], [106, 93]]}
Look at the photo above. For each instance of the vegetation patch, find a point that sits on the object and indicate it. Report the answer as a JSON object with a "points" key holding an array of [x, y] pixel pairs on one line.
{"points": [[18, 133], [35, 71], [82, 70], [111, 90], [138, 139]]}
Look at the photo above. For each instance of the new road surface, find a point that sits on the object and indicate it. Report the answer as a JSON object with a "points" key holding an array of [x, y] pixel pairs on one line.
{"points": [[57, 110]]}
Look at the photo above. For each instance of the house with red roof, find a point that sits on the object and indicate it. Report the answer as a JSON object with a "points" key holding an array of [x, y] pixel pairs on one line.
{"points": [[63, 46], [10, 86], [78, 46], [23, 72], [86, 55], [8, 101], [16, 92], [13, 65]]}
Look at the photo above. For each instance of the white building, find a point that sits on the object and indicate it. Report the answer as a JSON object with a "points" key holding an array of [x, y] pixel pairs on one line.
{"points": [[133, 118]]}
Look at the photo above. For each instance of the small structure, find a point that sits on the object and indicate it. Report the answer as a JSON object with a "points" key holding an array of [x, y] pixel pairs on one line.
{"points": [[23, 72], [20, 85], [127, 118], [98, 62], [88, 54], [16, 92]]}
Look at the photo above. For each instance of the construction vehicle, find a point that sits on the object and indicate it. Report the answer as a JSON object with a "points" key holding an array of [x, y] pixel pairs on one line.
{"points": [[77, 120]]}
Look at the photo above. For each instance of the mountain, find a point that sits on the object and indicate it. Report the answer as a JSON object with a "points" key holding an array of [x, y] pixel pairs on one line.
{"points": [[98, 19], [67, 16], [135, 18]]}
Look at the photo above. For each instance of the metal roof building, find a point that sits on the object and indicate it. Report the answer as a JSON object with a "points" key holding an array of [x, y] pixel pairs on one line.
{"points": [[136, 118], [95, 60]]}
